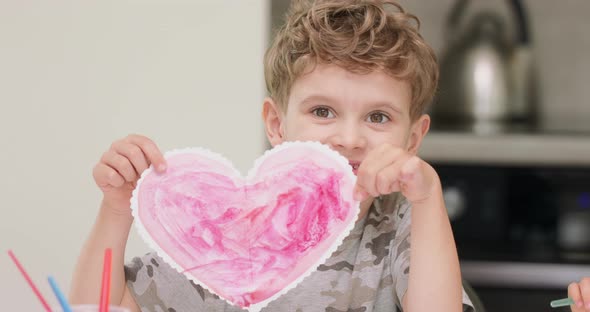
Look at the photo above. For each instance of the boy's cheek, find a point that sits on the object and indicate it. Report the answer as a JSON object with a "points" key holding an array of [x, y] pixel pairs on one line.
{"points": [[305, 133]]}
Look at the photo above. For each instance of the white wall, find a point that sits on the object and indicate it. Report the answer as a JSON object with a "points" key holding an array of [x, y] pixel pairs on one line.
{"points": [[76, 75]]}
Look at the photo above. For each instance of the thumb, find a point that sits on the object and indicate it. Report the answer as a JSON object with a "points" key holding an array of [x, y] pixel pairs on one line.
{"points": [[412, 180], [409, 172]]}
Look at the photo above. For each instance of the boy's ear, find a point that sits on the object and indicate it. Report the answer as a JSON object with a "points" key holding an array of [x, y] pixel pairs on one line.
{"points": [[272, 121], [417, 132]]}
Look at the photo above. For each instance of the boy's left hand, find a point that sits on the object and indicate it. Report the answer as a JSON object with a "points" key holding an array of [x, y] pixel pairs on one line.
{"points": [[387, 169], [580, 293]]}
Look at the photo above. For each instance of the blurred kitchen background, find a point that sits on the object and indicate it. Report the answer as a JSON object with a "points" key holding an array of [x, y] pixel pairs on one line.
{"points": [[511, 142]]}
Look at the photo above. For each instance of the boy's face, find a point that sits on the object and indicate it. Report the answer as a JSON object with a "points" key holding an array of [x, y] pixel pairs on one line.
{"points": [[351, 113]]}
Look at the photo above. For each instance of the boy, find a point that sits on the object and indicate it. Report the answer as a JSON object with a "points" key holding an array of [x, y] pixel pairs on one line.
{"points": [[354, 75]]}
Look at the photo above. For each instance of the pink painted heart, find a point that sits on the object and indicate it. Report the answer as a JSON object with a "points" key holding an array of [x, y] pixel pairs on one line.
{"points": [[248, 240]]}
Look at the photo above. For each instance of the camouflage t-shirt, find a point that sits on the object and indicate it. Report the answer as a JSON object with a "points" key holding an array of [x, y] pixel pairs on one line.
{"points": [[367, 273]]}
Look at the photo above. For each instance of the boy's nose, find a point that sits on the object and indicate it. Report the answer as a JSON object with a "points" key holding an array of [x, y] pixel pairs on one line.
{"points": [[348, 137]]}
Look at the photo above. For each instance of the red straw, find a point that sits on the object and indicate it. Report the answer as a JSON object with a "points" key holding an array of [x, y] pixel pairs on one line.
{"points": [[106, 281], [29, 280]]}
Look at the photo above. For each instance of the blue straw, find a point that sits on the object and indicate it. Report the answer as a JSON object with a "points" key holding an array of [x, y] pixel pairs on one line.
{"points": [[60, 296]]}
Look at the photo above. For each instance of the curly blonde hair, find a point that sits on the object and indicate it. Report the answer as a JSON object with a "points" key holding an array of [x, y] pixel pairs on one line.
{"points": [[361, 36]]}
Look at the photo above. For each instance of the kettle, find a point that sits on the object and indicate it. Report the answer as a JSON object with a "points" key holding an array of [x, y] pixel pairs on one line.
{"points": [[485, 79]]}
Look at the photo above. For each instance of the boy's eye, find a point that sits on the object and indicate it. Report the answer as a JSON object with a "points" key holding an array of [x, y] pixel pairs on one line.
{"points": [[378, 118], [323, 112]]}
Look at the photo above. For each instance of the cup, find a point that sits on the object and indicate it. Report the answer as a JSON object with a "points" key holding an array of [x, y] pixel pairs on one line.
{"points": [[91, 308]]}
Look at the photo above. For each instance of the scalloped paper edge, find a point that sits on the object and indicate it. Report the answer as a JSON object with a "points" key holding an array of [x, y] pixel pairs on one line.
{"points": [[256, 307]]}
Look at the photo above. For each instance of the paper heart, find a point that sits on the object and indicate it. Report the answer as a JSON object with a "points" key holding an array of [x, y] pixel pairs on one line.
{"points": [[248, 240]]}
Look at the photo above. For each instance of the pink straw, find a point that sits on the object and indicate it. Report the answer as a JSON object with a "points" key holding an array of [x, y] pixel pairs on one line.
{"points": [[29, 280], [105, 291]]}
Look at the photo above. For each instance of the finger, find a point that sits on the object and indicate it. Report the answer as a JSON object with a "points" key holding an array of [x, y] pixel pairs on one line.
{"points": [[395, 187], [121, 164], [106, 176], [388, 178], [359, 194], [385, 178], [151, 151], [376, 161], [367, 180], [573, 291], [585, 291], [134, 154]]}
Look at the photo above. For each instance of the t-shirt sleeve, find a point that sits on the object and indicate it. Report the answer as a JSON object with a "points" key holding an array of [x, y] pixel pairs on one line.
{"points": [[149, 283], [401, 255]]}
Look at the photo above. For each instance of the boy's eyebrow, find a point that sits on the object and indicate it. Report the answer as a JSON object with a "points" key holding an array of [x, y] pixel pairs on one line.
{"points": [[317, 97], [389, 105]]}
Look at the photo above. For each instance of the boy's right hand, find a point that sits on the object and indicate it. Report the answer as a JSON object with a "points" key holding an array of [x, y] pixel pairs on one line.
{"points": [[120, 167]]}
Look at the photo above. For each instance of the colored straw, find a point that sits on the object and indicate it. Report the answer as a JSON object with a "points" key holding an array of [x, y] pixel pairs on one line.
{"points": [[106, 281], [29, 280], [60, 296], [562, 302]]}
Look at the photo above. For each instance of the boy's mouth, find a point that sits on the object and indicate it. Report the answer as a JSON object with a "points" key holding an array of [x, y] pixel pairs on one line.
{"points": [[355, 166]]}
